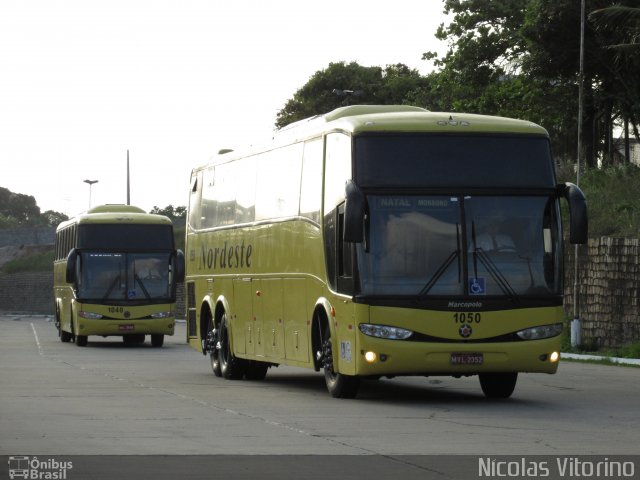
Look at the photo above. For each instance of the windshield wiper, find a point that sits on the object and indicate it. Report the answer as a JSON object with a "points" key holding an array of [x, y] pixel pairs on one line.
{"points": [[111, 287], [445, 265], [494, 271], [144, 290]]}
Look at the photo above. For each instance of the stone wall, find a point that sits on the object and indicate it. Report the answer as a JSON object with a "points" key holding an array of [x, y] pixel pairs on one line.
{"points": [[609, 291], [30, 292]]}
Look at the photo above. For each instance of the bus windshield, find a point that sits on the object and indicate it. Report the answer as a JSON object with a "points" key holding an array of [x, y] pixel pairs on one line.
{"points": [[461, 246], [127, 277]]}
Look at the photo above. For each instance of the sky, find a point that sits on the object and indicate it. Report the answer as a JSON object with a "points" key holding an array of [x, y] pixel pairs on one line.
{"points": [[172, 82]]}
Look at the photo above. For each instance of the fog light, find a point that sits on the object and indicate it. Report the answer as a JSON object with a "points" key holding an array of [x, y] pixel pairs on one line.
{"points": [[370, 357], [555, 356]]}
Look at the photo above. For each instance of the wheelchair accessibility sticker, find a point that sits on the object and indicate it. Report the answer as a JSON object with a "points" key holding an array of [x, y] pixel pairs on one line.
{"points": [[476, 286]]}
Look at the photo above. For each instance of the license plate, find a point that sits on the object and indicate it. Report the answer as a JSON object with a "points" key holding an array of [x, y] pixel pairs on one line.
{"points": [[467, 358], [126, 328]]}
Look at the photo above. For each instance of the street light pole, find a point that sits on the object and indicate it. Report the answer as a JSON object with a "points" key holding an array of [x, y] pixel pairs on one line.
{"points": [[90, 182]]}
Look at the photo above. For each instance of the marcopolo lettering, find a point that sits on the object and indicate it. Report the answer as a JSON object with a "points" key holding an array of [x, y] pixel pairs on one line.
{"points": [[228, 256]]}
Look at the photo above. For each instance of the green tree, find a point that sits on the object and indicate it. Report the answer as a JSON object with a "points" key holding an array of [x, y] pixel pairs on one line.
{"points": [[342, 84], [19, 206], [521, 58], [53, 218], [174, 213]]}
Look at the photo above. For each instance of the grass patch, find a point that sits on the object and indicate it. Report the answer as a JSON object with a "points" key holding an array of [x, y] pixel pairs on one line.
{"points": [[39, 262]]}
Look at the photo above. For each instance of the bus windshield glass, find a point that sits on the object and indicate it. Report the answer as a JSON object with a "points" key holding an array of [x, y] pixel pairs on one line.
{"points": [[127, 277], [461, 246], [446, 161]]}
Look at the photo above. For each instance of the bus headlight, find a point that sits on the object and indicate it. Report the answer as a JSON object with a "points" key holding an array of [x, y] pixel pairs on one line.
{"points": [[162, 315], [384, 331], [89, 315], [537, 333]]}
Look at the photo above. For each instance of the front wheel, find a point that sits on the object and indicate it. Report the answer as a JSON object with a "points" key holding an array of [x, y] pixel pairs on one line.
{"points": [[157, 340], [81, 340], [498, 385], [339, 385], [230, 366]]}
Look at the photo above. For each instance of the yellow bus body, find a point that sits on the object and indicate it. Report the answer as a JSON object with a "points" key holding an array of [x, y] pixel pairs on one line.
{"points": [[130, 318], [269, 280]]}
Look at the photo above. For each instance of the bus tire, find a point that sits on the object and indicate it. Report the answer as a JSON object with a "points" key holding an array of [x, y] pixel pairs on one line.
{"points": [[339, 385], [213, 347], [81, 340], [157, 340], [498, 385], [230, 366], [65, 337]]}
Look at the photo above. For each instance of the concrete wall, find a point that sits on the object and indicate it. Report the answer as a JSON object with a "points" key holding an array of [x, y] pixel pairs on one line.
{"points": [[27, 236]]}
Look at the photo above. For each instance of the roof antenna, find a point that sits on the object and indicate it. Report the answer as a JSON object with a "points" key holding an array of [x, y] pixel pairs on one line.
{"points": [[128, 187]]}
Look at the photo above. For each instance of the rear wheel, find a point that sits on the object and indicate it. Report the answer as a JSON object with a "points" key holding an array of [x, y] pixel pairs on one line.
{"points": [[213, 346], [230, 366], [498, 385], [338, 384]]}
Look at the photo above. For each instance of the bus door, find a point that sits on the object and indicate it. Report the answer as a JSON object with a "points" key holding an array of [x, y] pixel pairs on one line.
{"points": [[243, 332], [296, 319]]}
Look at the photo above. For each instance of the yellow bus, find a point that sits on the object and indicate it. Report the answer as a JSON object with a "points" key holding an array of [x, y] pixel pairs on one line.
{"points": [[378, 241], [115, 274]]}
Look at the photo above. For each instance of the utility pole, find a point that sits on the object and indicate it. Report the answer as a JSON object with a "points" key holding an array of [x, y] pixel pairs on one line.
{"points": [[576, 327]]}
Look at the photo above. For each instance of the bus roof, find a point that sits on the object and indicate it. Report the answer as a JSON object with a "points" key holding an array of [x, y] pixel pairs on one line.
{"points": [[116, 213], [359, 119]]}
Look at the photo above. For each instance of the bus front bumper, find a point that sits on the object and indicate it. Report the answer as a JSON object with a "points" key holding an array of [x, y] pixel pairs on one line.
{"points": [[378, 357]]}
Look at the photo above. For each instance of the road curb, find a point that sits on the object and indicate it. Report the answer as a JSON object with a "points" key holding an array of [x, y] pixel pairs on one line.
{"points": [[623, 361]]}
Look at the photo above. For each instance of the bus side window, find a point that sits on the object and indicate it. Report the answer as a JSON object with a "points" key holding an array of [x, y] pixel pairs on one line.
{"points": [[344, 257], [195, 214], [311, 185]]}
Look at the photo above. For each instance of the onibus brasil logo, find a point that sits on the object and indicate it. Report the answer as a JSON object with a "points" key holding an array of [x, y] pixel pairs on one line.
{"points": [[36, 469]]}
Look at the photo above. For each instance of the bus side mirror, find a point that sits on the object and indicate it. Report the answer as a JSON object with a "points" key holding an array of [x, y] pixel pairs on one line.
{"points": [[354, 212], [578, 223], [72, 260], [180, 266]]}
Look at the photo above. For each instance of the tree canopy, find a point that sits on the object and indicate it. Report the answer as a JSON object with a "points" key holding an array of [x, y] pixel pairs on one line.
{"points": [[17, 209], [515, 58], [342, 84]]}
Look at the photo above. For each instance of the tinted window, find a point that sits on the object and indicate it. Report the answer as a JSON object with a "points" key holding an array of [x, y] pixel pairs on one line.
{"points": [[125, 237], [453, 161]]}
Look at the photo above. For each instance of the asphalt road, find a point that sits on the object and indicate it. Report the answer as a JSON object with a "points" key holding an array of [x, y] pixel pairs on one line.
{"points": [[114, 399]]}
